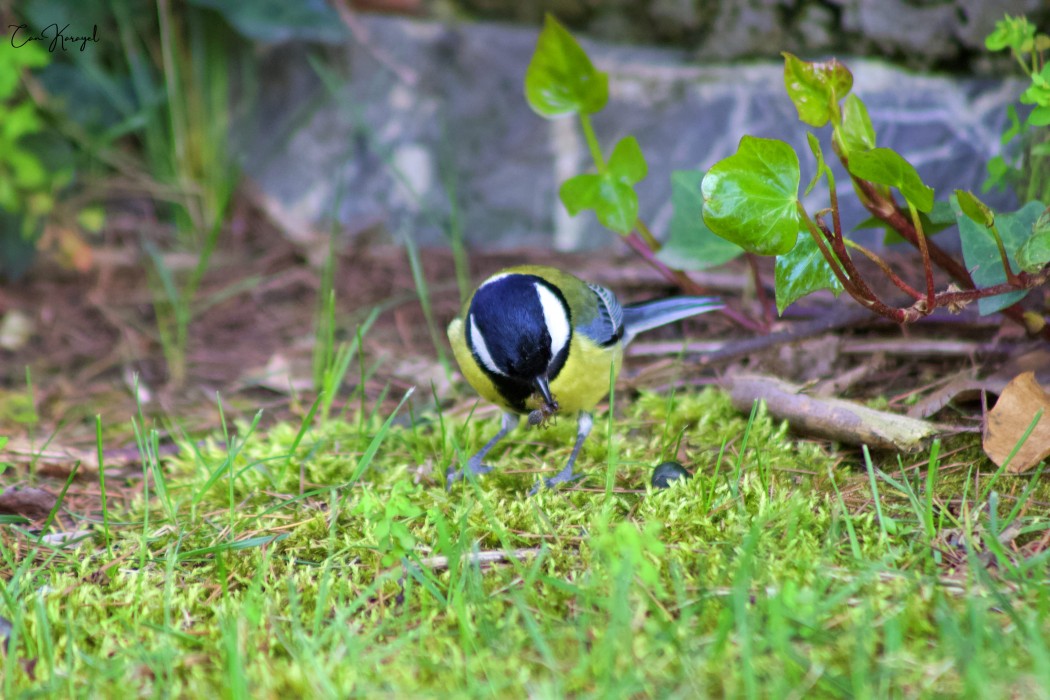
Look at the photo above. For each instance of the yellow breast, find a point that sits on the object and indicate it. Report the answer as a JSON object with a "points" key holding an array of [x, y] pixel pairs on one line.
{"points": [[585, 378], [581, 384]]}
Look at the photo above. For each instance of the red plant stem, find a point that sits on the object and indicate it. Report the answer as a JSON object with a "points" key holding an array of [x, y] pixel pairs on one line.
{"points": [[1024, 280], [893, 277], [887, 210], [836, 222], [833, 262], [850, 279], [1010, 276], [927, 266], [848, 267], [683, 281], [760, 291]]}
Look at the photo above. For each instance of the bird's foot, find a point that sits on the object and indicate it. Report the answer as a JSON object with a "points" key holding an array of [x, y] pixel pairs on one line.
{"points": [[562, 477], [474, 468]]}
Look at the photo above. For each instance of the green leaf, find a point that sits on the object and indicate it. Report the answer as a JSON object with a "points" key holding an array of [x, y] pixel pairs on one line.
{"points": [[614, 202], [1038, 93], [690, 244], [1040, 116], [981, 254], [610, 194], [1000, 174], [278, 21], [561, 79], [803, 271], [975, 208], [884, 166], [816, 87], [941, 217], [751, 197], [20, 121], [1015, 128], [1034, 254], [14, 59], [627, 164], [857, 132], [29, 172], [92, 218], [814, 146], [1010, 32]]}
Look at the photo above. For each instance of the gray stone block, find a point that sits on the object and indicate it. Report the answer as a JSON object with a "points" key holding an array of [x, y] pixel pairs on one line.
{"points": [[452, 120]]}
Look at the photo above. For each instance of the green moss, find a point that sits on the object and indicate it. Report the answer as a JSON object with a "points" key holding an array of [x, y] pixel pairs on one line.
{"points": [[752, 574]]}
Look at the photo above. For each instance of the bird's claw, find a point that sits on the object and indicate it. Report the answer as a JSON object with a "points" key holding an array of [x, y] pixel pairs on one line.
{"points": [[474, 468], [551, 482]]}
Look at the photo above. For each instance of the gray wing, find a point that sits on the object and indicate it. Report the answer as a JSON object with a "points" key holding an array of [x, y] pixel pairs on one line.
{"points": [[606, 327]]}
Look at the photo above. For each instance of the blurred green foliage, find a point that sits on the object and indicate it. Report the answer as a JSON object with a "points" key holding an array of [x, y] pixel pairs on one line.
{"points": [[1026, 167], [27, 185]]}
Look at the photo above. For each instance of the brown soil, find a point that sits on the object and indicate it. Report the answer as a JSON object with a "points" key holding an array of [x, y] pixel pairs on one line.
{"points": [[94, 332]]}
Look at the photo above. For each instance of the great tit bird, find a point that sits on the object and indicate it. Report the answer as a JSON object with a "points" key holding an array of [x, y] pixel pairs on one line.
{"points": [[538, 341]]}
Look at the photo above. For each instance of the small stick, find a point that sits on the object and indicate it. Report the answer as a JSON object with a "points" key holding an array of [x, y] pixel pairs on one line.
{"points": [[487, 557]]}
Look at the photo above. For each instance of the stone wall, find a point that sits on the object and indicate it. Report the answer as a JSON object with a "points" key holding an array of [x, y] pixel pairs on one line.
{"points": [[427, 113], [920, 34]]}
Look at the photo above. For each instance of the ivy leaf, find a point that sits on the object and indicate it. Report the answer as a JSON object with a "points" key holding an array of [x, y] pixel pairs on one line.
{"points": [[857, 132], [1015, 128], [20, 121], [627, 164], [1000, 174], [690, 244], [884, 166], [938, 219], [561, 79], [981, 254], [803, 271], [13, 60], [816, 87], [814, 146], [1040, 116], [1034, 254], [1038, 93], [751, 197], [610, 194], [1011, 32], [615, 203], [974, 208]]}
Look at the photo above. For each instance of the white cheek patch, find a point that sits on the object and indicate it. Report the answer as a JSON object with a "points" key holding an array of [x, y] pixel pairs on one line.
{"points": [[555, 319], [477, 340]]}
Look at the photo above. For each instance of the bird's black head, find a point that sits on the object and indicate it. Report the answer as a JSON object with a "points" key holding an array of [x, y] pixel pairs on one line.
{"points": [[518, 327]]}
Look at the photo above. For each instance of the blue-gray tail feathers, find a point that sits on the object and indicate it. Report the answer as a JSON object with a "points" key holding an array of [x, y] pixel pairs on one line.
{"points": [[652, 314]]}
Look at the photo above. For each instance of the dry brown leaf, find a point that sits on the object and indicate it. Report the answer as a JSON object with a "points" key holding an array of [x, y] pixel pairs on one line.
{"points": [[32, 503], [967, 387], [1007, 422]]}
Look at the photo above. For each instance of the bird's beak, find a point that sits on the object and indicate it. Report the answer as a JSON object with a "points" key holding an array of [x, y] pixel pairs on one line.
{"points": [[544, 387]]}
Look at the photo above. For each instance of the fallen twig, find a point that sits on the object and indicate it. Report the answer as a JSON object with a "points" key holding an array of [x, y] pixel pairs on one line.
{"points": [[482, 558], [832, 419]]}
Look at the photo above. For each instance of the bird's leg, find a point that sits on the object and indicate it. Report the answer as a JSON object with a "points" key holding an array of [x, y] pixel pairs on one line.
{"points": [[584, 424], [474, 465]]}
